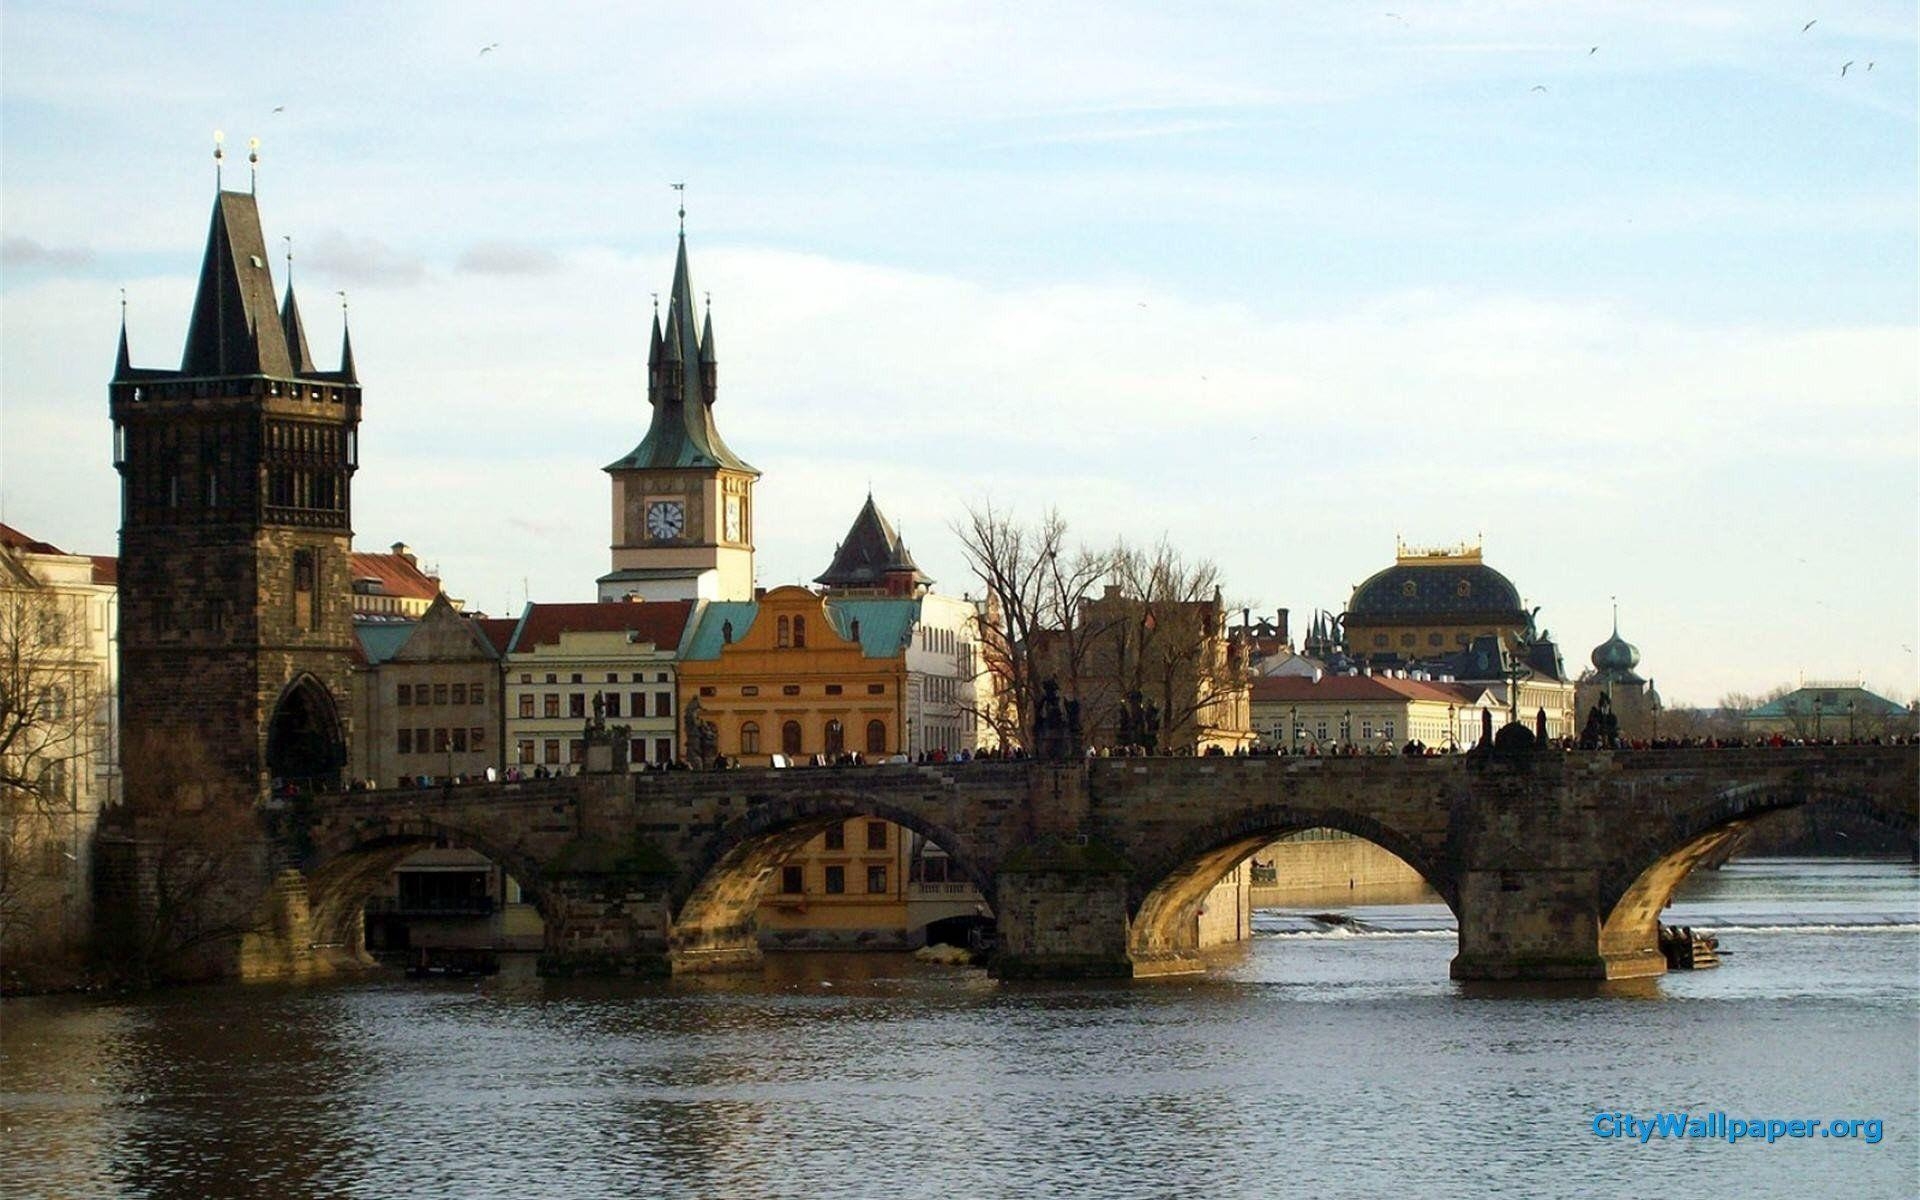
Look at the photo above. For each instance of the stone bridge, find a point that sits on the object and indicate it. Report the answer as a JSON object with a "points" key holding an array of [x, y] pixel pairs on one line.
{"points": [[1556, 865]]}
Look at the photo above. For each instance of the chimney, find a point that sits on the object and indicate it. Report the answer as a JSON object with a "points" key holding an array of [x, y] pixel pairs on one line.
{"points": [[1284, 639], [400, 549]]}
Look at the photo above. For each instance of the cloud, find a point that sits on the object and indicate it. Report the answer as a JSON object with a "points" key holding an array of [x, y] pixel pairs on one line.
{"points": [[22, 253], [507, 258], [340, 258]]}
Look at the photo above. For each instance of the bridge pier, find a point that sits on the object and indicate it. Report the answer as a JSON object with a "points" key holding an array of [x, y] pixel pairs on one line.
{"points": [[1543, 925], [605, 925], [1063, 916]]}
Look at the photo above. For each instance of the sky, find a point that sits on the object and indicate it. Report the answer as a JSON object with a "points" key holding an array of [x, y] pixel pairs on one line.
{"points": [[1625, 292]]}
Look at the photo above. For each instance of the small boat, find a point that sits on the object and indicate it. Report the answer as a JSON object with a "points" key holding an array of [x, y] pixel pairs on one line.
{"points": [[1686, 950]]}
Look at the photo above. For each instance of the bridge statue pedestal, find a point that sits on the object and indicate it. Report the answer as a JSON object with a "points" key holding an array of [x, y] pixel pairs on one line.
{"points": [[1062, 913], [605, 925]]}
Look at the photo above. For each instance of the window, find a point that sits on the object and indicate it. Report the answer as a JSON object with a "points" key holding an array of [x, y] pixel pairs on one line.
{"points": [[637, 702], [406, 742], [1366, 729], [749, 690], [783, 636], [790, 738], [440, 741], [459, 693], [749, 738], [526, 751], [551, 707], [637, 750], [790, 689], [1386, 729], [836, 837], [876, 737], [420, 738], [576, 751], [524, 678], [663, 749], [460, 741], [477, 738], [876, 881], [799, 633], [403, 695], [576, 704], [439, 693], [613, 704], [663, 704], [1380, 639], [836, 738], [553, 678], [836, 880], [613, 677], [833, 689], [551, 751], [933, 869], [876, 689], [526, 704], [576, 679], [876, 835], [477, 694], [793, 880]]}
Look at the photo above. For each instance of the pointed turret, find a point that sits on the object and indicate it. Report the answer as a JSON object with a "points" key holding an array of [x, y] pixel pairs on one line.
{"points": [[706, 338], [681, 384], [873, 558], [234, 329], [123, 365], [296, 334], [347, 373]]}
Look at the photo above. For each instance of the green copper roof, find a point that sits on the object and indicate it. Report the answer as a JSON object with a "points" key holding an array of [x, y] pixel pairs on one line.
{"points": [[886, 625], [704, 645], [382, 641], [681, 432], [1828, 701]]}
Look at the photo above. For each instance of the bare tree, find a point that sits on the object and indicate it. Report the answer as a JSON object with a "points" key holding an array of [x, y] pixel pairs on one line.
{"points": [[1034, 586], [50, 691], [1169, 643]]}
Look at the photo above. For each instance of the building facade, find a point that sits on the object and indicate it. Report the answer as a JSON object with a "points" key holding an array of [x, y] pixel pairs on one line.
{"points": [[429, 701], [682, 500], [58, 745], [1840, 709], [394, 587], [570, 663], [236, 471], [1633, 700], [1376, 712]]}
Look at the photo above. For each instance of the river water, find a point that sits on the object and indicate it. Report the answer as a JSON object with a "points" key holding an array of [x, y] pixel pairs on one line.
{"points": [[1327, 1058]]}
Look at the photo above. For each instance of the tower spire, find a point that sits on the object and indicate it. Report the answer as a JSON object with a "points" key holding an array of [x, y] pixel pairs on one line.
{"points": [[124, 363], [347, 372]]}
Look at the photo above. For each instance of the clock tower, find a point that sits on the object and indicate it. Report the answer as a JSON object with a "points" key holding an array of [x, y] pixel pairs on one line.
{"points": [[682, 501]]}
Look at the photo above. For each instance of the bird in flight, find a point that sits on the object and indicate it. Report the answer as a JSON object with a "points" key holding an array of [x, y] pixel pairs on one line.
{"points": [[1395, 17], [1593, 52], [1843, 68], [1809, 24], [489, 47], [1538, 87], [279, 108]]}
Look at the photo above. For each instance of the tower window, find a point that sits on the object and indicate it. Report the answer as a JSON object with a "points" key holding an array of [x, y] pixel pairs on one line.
{"points": [[783, 636], [799, 633]]}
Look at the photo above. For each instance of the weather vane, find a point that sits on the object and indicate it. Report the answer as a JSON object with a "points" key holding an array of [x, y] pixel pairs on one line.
{"points": [[253, 165], [219, 155], [682, 189]]}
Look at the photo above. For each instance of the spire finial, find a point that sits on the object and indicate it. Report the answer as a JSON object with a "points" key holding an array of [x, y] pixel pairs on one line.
{"points": [[681, 187], [253, 166], [1616, 615], [343, 307], [123, 307], [288, 239], [219, 155], [656, 304]]}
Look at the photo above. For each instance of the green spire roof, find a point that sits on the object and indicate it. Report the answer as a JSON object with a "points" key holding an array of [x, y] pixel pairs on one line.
{"points": [[681, 432]]}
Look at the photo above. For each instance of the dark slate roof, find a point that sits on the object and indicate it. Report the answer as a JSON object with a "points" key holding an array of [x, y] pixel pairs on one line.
{"points": [[681, 432], [1829, 700], [1465, 591], [660, 622], [296, 333], [235, 329], [870, 552]]}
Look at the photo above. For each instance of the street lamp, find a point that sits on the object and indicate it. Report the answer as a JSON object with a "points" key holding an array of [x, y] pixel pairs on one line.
{"points": [[1346, 727], [1293, 720]]}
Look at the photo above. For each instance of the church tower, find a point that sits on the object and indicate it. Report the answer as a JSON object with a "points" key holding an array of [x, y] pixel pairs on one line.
{"points": [[682, 501], [236, 471]]}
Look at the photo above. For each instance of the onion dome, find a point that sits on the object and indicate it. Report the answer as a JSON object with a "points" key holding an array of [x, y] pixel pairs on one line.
{"points": [[1615, 656]]}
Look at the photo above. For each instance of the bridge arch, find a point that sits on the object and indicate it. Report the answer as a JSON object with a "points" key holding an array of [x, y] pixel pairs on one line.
{"points": [[722, 890], [1169, 889], [1645, 875], [347, 866]]}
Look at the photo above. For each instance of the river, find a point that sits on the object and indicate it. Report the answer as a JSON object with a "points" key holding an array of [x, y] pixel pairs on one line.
{"points": [[1323, 1059]]}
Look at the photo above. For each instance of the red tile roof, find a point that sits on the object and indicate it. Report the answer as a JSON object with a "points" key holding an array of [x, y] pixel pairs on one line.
{"points": [[13, 539], [656, 621], [1355, 687], [106, 569], [398, 575], [497, 630]]}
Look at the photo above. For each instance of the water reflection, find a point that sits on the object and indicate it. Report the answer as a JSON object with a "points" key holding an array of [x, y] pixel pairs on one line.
{"points": [[1332, 1066]]}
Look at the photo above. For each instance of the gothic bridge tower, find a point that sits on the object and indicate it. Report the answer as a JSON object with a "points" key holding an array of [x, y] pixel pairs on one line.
{"points": [[236, 629], [682, 500]]}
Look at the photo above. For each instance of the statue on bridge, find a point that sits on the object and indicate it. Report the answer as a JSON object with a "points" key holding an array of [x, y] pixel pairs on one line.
{"points": [[702, 740], [1602, 730], [1056, 729]]}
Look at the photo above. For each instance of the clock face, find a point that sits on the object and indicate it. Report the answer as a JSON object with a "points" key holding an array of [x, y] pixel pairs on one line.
{"points": [[733, 519], [666, 519]]}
